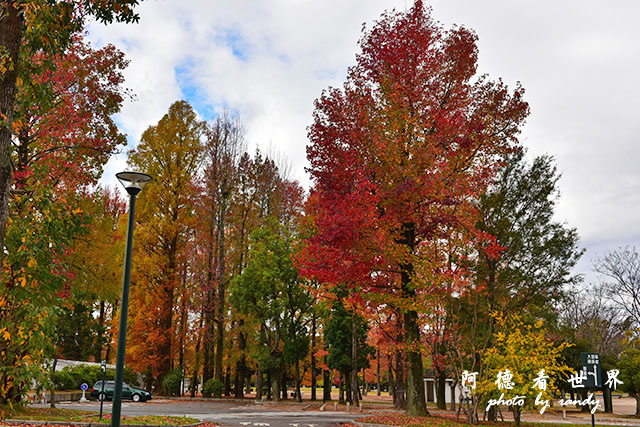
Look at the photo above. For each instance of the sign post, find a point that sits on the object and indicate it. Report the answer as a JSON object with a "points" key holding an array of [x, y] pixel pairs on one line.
{"points": [[84, 388], [591, 370], [103, 368]]}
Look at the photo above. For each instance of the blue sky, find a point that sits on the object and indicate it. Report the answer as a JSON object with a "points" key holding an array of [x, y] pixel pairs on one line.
{"points": [[269, 60]]}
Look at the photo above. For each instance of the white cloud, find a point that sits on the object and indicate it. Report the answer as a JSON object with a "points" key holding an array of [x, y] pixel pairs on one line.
{"points": [[269, 60]]}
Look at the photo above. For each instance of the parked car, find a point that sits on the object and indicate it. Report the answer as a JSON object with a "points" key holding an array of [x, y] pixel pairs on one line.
{"points": [[128, 392]]}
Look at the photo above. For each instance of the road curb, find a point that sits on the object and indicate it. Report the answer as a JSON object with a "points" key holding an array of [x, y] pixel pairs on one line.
{"points": [[361, 424], [80, 424]]}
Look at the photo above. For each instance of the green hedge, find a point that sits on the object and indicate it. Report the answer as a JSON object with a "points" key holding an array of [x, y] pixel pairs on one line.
{"points": [[212, 387], [171, 382], [71, 377]]}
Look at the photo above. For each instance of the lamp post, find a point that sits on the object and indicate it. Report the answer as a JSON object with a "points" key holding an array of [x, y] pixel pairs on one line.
{"points": [[133, 182]]}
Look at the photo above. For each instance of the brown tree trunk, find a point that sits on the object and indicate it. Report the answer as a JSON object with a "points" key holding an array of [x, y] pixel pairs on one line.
{"points": [[354, 360], [297, 379], [241, 365], [441, 381], [164, 347], [258, 383], [276, 377], [326, 384], [227, 381], [196, 367], [516, 415], [392, 381], [220, 306], [100, 334], [11, 29], [416, 402], [52, 391], [400, 401], [453, 395], [314, 372], [378, 372], [283, 383]]}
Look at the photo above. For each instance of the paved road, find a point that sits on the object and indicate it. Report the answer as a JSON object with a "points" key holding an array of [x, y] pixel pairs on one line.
{"points": [[225, 413]]}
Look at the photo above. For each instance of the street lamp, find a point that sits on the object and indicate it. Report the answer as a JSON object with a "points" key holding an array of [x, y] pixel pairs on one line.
{"points": [[133, 182]]}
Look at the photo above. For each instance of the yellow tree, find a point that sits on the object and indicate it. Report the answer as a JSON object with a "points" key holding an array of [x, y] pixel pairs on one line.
{"points": [[522, 367], [97, 260], [171, 152]]}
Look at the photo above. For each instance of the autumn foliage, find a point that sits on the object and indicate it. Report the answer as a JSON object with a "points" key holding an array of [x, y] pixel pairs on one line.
{"points": [[244, 282], [398, 157]]}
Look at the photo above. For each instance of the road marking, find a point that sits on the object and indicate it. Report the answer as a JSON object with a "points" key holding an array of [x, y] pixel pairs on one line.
{"points": [[246, 424], [294, 425], [261, 424]]}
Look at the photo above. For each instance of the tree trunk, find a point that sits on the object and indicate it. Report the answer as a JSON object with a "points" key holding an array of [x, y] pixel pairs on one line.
{"points": [[100, 334], [441, 378], [220, 306], [637, 396], [196, 367], [283, 383], [516, 414], [453, 395], [258, 384], [269, 390], [314, 372], [326, 384], [165, 346], [365, 384], [400, 401], [227, 381], [276, 377], [208, 352], [378, 373], [52, 391], [297, 379], [11, 28], [392, 382], [416, 402], [608, 404], [241, 365], [354, 359], [341, 390], [348, 387]]}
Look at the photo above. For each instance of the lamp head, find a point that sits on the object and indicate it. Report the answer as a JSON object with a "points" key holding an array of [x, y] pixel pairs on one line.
{"points": [[133, 182]]}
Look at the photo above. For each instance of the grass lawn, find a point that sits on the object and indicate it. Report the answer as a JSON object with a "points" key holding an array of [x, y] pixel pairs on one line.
{"points": [[72, 415]]}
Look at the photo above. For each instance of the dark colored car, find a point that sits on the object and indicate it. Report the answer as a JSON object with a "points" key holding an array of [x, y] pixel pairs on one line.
{"points": [[128, 392]]}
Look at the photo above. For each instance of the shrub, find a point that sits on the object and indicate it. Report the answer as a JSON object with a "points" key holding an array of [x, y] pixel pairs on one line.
{"points": [[64, 381], [71, 377], [171, 382], [212, 387]]}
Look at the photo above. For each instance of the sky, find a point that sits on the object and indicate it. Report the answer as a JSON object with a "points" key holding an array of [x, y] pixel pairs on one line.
{"points": [[268, 60]]}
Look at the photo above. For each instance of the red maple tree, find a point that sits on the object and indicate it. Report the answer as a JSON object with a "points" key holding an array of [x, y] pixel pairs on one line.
{"points": [[398, 157]]}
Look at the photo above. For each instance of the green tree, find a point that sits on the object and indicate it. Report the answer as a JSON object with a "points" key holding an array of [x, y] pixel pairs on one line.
{"points": [[269, 291], [529, 264], [36, 278], [338, 335], [524, 264], [629, 366]]}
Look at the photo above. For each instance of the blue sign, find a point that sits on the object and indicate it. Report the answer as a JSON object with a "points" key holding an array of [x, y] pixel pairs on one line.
{"points": [[84, 387]]}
